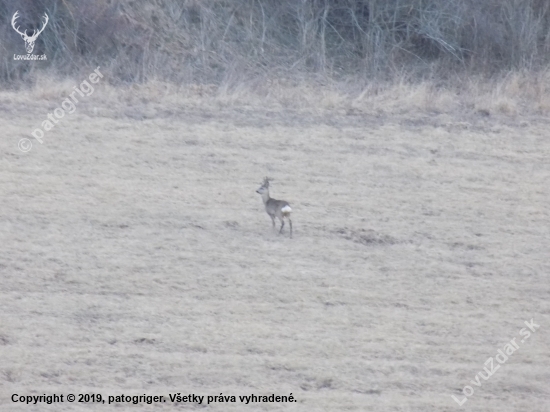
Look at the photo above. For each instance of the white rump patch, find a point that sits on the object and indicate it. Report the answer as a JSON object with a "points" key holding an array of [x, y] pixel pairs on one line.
{"points": [[286, 209]]}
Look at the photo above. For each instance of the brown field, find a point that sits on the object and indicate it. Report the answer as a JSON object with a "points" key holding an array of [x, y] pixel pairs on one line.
{"points": [[137, 257]]}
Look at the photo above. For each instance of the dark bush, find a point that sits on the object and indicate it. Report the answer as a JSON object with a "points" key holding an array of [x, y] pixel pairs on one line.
{"points": [[217, 41]]}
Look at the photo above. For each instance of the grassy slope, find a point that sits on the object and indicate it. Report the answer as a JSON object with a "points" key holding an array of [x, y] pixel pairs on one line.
{"points": [[138, 259]]}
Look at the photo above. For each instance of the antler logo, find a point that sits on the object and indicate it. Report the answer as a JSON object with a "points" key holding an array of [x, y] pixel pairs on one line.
{"points": [[29, 40]]}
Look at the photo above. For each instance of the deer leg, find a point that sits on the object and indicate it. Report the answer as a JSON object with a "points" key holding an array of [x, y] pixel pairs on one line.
{"points": [[290, 223], [282, 225], [273, 220]]}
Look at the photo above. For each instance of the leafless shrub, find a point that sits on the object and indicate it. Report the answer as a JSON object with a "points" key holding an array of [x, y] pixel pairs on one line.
{"points": [[228, 41]]}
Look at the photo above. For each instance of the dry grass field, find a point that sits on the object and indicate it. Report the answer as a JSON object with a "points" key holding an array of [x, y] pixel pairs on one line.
{"points": [[136, 257]]}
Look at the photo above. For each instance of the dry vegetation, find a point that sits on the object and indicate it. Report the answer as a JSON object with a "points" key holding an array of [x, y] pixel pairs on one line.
{"points": [[488, 57], [410, 139]]}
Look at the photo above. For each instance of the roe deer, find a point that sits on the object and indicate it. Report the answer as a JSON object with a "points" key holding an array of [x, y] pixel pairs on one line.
{"points": [[275, 208]]}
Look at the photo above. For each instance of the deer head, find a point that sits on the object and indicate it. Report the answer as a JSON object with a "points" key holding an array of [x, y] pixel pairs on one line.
{"points": [[29, 40], [264, 188]]}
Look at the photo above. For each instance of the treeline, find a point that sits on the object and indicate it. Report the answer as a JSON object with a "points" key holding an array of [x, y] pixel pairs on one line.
{"points": [[228, 41]]}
